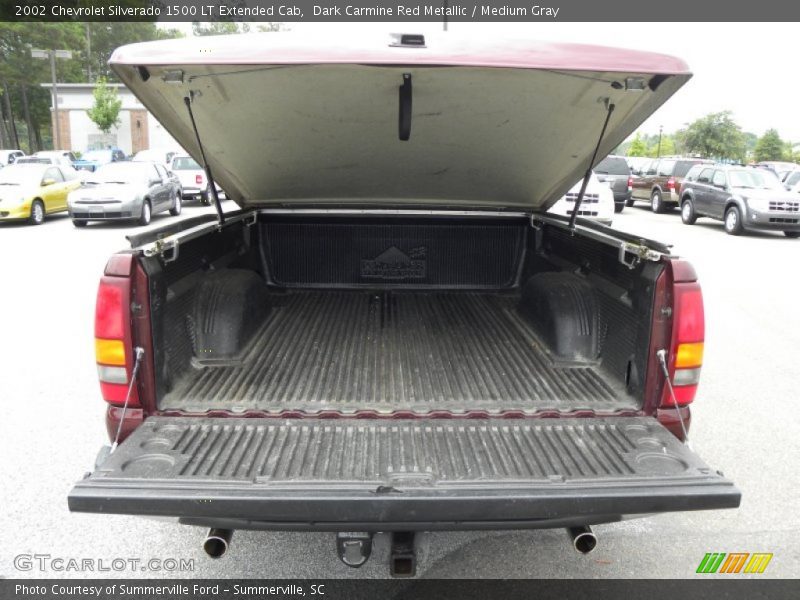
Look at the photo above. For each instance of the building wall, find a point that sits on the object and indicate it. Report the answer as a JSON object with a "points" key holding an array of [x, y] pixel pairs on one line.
{"points": [[83, 132], [78, 131], [159, 138], [139, 124], [64, 130]]}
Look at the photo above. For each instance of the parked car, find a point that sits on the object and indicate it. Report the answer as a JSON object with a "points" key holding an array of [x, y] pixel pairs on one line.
{"points": [[614, 171], [92, 159], [125, 190], [597, 204], [659, 182], [743, 198], [778, 167], [637, 162], [8, 157], [35, 159], [342, 353], [61, 157], [194, 183], [791, 178], [154, 155], [32, 191]]}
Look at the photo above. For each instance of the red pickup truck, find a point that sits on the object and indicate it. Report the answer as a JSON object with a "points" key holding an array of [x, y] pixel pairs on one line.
{"points": [[391, 335]]}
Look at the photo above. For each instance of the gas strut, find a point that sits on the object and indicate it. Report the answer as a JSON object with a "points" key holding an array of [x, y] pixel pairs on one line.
{"points": [[588, 173], [206, 167]]}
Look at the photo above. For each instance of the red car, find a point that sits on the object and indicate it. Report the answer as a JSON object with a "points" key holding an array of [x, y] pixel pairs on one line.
{"points": [[391, 334]]}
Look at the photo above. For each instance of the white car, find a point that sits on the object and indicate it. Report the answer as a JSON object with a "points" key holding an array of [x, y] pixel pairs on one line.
{"points": [[791, 179], [637, 162], [156, 155], [8, 157], [597, 204], [193, 179], [64, 158]]}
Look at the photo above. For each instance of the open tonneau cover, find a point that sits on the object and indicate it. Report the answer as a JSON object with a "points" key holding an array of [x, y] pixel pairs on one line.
{"points": [[500, 124], [374, 474]]}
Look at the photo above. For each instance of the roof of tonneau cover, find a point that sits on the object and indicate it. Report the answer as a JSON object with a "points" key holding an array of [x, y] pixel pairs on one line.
{"points": [[287, 119]]}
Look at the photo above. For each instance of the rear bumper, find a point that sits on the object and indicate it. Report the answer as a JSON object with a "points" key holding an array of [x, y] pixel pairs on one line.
{"points": [[425, 525], [620, 198], [192, 193], [504, 507], [336, 475]]}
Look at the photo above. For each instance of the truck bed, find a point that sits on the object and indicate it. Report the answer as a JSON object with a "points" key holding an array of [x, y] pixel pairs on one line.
{"points": [[390, 351]]}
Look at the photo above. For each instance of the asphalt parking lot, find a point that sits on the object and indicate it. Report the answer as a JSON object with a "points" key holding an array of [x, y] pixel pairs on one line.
{"points": [[745, 423]]}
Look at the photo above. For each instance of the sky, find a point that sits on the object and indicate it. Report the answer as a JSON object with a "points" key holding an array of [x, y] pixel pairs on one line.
{"points": [[747, 68]]}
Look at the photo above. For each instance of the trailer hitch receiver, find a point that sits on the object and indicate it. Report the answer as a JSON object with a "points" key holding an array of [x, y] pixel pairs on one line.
{"points": [[403, 558]]}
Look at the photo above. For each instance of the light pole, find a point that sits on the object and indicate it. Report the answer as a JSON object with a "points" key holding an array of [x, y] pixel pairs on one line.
{"points": [[89, 51], [53, 55], [658, 152]]}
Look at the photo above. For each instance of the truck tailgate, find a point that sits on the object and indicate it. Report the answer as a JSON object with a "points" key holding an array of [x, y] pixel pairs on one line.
{"points": [[326, 473]]}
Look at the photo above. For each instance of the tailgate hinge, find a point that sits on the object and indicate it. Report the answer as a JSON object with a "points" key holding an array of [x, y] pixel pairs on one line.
{"points": [[639, 252], [629, 254], [167, 249]]}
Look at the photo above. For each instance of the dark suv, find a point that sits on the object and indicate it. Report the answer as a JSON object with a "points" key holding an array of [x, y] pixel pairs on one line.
{"points": [[614, 171], [659, 181], [741, 197]]}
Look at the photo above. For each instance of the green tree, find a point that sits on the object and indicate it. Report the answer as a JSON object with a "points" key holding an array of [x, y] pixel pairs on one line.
{"points": [[750, 141], [667, 146], [770, 146], [25, 104], [228, 27], [27, 113], [715, 136], [637, 147], [105, 112], [219, 28], [100, 39], [267, 27]]}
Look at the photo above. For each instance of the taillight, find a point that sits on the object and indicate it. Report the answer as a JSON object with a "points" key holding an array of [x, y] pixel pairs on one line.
{"points": [[685, 356], [198, 179], [671, 184], [112, 331], [630, 183]]}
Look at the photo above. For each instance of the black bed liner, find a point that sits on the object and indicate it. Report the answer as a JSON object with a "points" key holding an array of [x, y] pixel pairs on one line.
{"points": [[395, 351], [323, 473]]}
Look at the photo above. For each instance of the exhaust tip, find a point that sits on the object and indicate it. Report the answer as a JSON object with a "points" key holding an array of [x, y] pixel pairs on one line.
{"points": [[217, 542], [583, 539]]}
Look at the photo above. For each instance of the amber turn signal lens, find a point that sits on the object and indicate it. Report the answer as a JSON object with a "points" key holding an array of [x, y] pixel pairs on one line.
{"points": [[689, 355], [109, 352]]}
